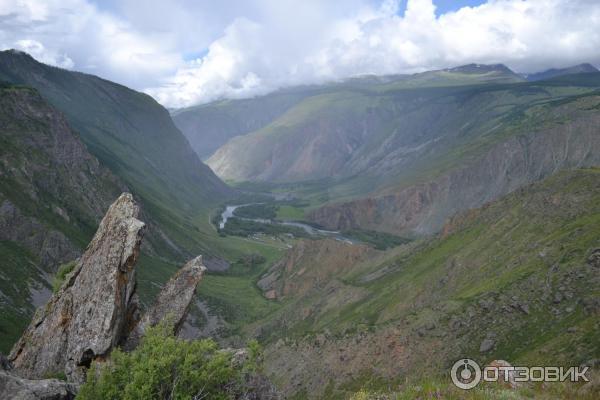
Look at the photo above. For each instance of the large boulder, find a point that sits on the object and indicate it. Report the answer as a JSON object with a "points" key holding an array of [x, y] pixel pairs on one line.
{"points": [[91, 312], [16, 388]]}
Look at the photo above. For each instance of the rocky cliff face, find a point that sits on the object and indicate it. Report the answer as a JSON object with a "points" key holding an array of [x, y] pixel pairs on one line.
{"points": [[297, 273], [53, 193], [96, 308], [89, 315], [45, 170], [520, 160]]}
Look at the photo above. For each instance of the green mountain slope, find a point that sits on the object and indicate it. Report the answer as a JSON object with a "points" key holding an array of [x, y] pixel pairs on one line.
{"points": [[403, 154], [378, 129], [515, 280], [209, 126], [52, 196], [135, 138], [532, 142]]}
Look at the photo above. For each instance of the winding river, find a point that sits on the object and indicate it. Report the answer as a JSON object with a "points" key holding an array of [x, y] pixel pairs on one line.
{"points": [[228, 213]]}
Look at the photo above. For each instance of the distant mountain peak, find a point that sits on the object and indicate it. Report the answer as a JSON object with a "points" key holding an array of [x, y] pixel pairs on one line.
{"points": [[17, 53], [584, 68], [481, 68]]}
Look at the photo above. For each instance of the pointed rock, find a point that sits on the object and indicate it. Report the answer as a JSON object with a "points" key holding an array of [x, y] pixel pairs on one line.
{"points": [[172, 303], [89, 315]]}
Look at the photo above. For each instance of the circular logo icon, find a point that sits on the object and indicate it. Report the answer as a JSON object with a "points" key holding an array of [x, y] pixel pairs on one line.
{"points": [[465, 373]]}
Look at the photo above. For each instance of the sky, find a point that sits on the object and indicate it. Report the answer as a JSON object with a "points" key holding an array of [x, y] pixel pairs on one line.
{"points": [[187, 52]]}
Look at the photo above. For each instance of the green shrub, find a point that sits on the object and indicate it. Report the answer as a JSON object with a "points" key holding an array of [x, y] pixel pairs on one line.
{"points": [[251, 260], [263, 211], [164, 367], [379, 240], [61, 274]]}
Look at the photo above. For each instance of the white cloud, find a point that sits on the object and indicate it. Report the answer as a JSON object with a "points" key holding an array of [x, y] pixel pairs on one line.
{"points": [[251, 47], [288, 49], [39, 52], [76, 34]]}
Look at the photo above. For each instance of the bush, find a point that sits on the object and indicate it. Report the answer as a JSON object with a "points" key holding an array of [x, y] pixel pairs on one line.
{"points": [[61, 274], [164, 367], [253, 211], [251, 260]]}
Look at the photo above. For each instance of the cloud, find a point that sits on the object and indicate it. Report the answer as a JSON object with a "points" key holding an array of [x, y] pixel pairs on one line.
{"points": [[257, 56], [250, 47], [39, 52], [76, 34]]}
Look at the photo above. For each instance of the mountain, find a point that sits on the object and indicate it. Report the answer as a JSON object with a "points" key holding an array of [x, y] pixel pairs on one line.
{"points": [[515, 280], [402, 160], [135, 138], [544, 138], [552, 73], [345, 129], [53, 193], [209, 126]]}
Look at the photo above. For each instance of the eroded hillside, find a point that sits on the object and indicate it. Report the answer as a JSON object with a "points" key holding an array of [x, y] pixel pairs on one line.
{"points": [[52, 196], [515, 280]]}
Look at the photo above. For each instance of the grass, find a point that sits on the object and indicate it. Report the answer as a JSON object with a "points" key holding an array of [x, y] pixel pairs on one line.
{"points": [[379, 240], [439, 388], [254, 211], [19, 272], [233, 295], [61, 274], [290, 213]]}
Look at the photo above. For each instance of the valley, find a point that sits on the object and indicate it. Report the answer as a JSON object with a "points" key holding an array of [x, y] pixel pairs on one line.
{"points": [[367, 233]]}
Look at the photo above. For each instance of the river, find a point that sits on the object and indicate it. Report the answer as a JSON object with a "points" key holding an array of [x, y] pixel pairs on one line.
{"points": [[311, 230]]}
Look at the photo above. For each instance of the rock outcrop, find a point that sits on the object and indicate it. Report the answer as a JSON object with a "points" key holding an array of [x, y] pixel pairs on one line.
{"points": [[16, 388], [89, 315], [95, 310], [172, 303]]}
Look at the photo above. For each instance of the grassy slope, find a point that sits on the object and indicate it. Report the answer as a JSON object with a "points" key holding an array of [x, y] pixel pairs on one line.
{"points": [[134, 136], [209, 126], [233, 295], [19, 273], [532, 246]]}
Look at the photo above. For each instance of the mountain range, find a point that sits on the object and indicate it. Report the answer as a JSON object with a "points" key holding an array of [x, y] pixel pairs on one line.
{"points": [[484, 184], [404, 153]]}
